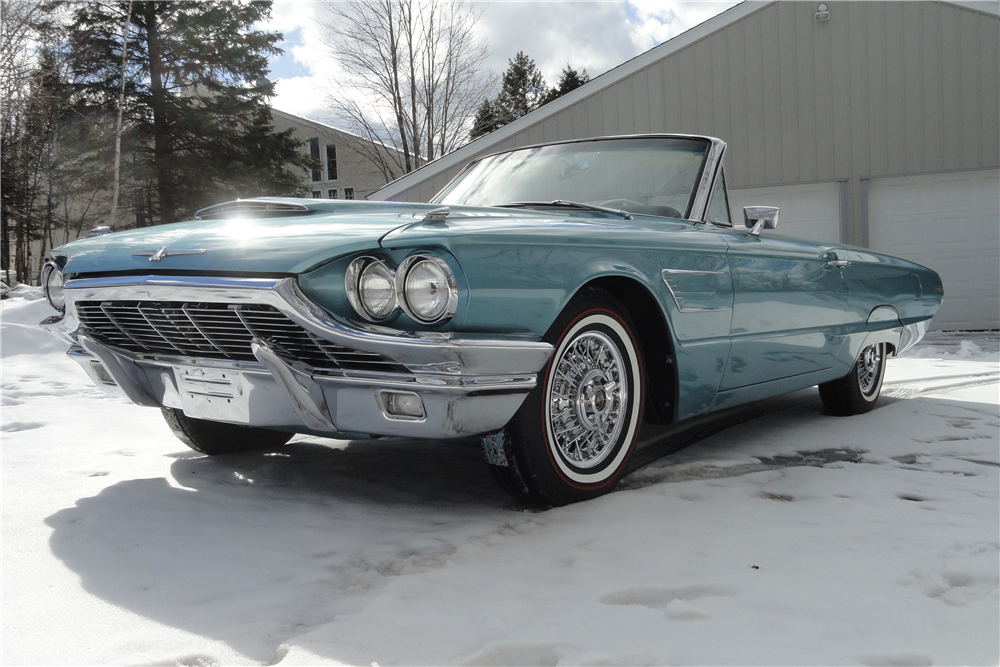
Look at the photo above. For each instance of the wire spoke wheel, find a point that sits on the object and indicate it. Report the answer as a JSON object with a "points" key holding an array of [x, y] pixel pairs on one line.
{"points": [[586, 400], [870, 369], [859, 390], [575, 432]]}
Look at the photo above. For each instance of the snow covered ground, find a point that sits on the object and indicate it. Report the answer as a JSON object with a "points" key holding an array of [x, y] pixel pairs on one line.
{"points": [[793, 538]]}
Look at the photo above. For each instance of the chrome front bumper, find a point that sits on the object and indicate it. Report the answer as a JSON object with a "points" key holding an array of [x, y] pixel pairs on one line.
{"points": [[464, 386]]}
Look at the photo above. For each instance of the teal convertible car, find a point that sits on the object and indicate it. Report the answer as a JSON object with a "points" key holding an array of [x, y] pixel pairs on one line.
{"points": [[550, 300]]}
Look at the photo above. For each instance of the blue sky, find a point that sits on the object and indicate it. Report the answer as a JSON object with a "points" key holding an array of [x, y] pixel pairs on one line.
{"points": [[593, 35]]}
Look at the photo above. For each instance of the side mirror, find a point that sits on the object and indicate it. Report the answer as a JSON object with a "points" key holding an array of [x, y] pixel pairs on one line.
{"points": [[760, 217]]}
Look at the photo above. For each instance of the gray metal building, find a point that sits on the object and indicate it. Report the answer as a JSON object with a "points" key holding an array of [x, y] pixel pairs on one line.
{"points": [[871, 123]]}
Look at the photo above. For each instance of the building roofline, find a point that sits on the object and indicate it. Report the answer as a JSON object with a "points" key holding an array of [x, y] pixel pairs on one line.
{"points": [[302, 119], [462, 155], [991, 7]]}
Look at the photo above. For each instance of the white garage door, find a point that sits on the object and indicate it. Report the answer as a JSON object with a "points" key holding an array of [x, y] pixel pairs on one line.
{"points": [[950, 223], [807, 211]]}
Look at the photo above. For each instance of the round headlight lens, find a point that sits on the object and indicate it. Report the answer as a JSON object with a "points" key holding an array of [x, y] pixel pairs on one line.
{"points": [[377, 290], [52, 283], [429, 290]]}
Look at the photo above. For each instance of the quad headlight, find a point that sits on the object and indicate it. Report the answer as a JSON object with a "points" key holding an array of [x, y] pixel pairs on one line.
{"points": [[423, 287], [426, 288], [52, 284], [371, 288]]}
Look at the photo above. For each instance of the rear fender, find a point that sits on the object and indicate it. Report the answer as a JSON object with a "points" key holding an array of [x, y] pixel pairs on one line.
{"points": [[883, 326]]}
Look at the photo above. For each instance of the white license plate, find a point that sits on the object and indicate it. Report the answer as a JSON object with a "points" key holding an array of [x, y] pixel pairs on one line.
{"points": [[213, 393]]}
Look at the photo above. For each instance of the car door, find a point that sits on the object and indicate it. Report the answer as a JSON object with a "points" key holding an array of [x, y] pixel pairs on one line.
{"points": [[789, 309]]}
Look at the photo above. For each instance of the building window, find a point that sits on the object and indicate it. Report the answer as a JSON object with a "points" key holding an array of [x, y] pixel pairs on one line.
{"points": [[317, 194], [317, 174], [348, 193], [331, 162], [331, 194]]}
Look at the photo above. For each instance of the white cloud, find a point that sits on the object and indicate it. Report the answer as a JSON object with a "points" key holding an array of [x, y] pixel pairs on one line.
{"points": [[596, 36], [300, 95], [656, 22], [591, 35], [302, 74]]}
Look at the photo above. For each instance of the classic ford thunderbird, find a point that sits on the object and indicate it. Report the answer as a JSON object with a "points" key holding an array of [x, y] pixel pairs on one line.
{"points": [[550, 301]]}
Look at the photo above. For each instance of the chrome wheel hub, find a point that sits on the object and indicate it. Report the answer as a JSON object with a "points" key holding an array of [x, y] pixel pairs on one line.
{"points": [[587, 399], [869, 369]]}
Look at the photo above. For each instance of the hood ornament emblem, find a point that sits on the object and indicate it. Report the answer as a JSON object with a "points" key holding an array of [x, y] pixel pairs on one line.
{"points": [[157, 255]]}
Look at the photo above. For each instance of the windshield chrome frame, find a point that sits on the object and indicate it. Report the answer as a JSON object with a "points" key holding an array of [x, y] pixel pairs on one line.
{"points": [[705, 182]]}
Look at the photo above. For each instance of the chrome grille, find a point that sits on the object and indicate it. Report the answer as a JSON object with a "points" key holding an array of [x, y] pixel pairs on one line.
{"points": [[218, 331]]}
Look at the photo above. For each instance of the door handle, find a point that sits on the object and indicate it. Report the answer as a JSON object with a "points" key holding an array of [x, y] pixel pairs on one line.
{"points": [[839, 263]]}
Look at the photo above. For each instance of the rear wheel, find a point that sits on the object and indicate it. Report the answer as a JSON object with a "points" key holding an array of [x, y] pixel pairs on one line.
{"points": [[858, 391], [214, 438], [573, 436]]}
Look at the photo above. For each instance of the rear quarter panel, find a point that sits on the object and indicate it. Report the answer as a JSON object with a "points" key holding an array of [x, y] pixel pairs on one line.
{"points": [[874, 279]]}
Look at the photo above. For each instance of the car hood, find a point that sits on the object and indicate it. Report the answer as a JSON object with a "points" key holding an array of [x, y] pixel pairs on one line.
{"points": [[295, 244], [282, 245]]}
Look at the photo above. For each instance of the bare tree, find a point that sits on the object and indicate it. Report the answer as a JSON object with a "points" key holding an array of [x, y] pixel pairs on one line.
{"points": [[54, 162], [416, 75], [29, 104]]}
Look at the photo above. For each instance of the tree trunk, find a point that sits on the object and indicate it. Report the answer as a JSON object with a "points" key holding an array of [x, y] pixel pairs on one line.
{"points": [[161, 125], [397, 97], [118, 125], [414, 131]]}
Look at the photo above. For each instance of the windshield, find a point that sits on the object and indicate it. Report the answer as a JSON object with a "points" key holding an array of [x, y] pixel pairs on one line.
{"points": [[646, 175]]}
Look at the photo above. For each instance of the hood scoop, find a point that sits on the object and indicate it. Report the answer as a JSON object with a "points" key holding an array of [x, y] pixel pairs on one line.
{"points": [[251, 208]]}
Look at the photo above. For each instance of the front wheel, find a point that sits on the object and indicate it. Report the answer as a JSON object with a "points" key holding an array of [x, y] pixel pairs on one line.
{"points": [[858, 391], [215, 438], [573, 436]]}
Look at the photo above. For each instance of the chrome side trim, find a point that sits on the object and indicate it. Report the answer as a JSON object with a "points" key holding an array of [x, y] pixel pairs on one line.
{"points": [[689, 272], [679, 301]]}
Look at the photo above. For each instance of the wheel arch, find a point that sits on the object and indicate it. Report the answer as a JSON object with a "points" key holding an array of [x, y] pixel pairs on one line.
{"points": [[655, 339], [884, 326]]}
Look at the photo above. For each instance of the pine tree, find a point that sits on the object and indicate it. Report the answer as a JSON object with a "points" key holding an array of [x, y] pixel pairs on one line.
{"points": [[196, 117], [569, 80], [489, 117], [521, 92], [523, 86]]}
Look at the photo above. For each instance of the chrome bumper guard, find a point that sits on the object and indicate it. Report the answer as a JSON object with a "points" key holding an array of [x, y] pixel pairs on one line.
{"points": [[452, 387]]}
